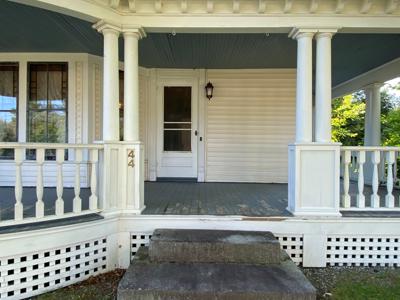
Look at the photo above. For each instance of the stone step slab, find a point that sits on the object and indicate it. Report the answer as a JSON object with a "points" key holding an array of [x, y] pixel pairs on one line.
{"points": [[145, 280], [214, 246]]}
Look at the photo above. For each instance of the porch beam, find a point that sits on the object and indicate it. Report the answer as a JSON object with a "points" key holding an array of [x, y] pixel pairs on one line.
{"points": [[132, 35], [323, 86], [110, 80], [304, 84]]}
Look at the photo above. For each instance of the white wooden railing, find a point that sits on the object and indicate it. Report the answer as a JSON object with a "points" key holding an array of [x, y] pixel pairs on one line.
{"points": [[73, 157], [369, 174]]}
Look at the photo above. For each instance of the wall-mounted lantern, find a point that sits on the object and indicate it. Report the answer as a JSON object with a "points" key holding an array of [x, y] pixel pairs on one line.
{"points": [[209, 90]]}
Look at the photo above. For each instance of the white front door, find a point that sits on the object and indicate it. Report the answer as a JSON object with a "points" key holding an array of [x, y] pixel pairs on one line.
{"points": [[177, 129]]}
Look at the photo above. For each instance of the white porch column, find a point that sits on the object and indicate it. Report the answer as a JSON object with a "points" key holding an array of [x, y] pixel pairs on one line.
{"points": [[304, 84], [313, 183], [131, 82], [323, 87], [110, 80], [372, 126]]}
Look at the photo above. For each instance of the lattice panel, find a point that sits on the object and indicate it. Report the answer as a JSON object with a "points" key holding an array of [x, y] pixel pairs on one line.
{"points": [[24, 276], [363, 251], [139, 239], [293, 245]]}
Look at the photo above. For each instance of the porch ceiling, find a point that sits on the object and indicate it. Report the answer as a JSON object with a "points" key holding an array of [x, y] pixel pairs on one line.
{"points": [[29, 29]]}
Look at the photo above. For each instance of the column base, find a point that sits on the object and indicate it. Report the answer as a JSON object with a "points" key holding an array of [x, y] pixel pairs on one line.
{"points": [[314, 180]]}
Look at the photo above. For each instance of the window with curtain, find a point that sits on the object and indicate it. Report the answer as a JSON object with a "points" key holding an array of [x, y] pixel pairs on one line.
{"points": [[8, 106], [47, 104]]}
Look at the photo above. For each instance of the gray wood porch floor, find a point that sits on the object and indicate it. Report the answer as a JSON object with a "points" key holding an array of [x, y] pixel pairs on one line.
{"points": [[192, 198]]}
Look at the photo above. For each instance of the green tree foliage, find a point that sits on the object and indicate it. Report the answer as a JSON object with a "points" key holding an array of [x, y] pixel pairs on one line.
{"points": [[348, 114], [390, 117]]}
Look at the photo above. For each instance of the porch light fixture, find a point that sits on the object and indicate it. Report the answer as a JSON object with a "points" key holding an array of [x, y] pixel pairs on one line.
{"points": [[209, 90]]}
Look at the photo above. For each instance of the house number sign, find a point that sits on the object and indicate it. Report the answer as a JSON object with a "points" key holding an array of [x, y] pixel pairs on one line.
{"points": [[131, 159]]}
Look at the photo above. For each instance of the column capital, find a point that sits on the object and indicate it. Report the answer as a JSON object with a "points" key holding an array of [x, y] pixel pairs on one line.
{"points": [[311, 31], [296, 33], [133, 30], [374, 85], [102, 26]]}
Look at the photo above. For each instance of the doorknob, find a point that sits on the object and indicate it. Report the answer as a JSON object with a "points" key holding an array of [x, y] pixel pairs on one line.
{"points": [[195, 132]]}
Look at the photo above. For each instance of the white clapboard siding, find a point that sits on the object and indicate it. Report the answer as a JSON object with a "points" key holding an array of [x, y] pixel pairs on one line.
{"points": [[29, 174], [250, 122]]}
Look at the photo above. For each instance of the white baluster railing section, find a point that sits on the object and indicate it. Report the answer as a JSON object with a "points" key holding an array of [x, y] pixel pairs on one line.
{"points": [[40, 163], [369, 178]]}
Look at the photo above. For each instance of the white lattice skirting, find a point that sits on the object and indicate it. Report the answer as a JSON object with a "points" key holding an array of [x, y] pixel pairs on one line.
{"points": [[39, 261], [37, 272]]}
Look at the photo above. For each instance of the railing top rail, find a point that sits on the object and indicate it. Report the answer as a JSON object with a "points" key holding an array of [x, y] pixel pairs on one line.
{"points": [[369, 148], [49, 146]]}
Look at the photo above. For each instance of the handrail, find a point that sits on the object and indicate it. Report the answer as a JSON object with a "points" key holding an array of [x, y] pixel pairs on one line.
{"points": [[369, 148], [14, 145]]}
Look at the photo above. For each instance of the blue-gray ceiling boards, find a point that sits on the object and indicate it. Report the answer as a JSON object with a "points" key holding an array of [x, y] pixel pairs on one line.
{"points": [[28, 29]]}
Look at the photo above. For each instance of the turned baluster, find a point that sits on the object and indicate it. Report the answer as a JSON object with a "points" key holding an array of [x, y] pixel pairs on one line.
{"points": [[93, 200], [346, 199], [59, 189], [77, 202], [18, 207], [360, 196], [39, 183], [389, 198], [375, 157]]}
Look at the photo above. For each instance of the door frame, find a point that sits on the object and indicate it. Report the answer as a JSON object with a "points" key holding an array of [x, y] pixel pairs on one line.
{"points": [[191, 81]]}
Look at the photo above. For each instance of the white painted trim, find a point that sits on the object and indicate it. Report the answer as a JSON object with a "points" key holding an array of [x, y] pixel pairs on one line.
{"points": [[224, 18], [382, 73]]}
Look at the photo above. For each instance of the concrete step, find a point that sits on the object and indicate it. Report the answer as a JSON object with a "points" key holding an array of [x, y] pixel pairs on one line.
{"points": [[214, 246], [199, 281]]}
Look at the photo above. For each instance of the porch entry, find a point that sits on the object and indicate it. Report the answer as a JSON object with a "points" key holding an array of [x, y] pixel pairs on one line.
{"points": [[177, 134]]}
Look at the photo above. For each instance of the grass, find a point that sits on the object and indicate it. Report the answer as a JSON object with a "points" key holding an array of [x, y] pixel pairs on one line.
{"points": [[354, 285]]}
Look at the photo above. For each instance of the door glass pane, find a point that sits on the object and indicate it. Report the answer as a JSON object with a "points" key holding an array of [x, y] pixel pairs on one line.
{"points": [[177, 140], [177, 118], [178, 104]]}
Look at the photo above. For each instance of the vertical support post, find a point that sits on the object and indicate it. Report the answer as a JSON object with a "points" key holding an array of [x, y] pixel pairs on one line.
{"points": [[346, 199], [94, 158], [372, 126], [39, 183], [323, 87], [132, 35], [376, 156], [360, 195], [18, 207], [389, 198], [77, 202], [304, 84], [110, 80], [59, 189]]}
